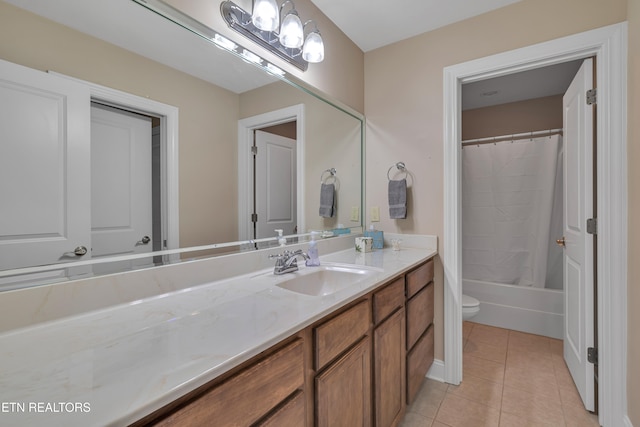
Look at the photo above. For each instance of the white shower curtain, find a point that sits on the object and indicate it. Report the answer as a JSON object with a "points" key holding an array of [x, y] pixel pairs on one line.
{"points": [[507, 202]]}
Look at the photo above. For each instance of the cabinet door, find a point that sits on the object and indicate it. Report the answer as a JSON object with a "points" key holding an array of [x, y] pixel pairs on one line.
{"points": [[389, 370], [343, 391]]}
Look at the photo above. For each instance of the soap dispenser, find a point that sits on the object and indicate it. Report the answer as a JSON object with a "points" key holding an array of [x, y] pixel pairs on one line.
{"points": [[281, 240], [312, 252]]}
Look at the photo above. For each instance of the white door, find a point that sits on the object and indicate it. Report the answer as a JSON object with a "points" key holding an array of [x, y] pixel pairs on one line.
{"points": [[275, 184], [578, 253], [44, 168], [121, 210]]}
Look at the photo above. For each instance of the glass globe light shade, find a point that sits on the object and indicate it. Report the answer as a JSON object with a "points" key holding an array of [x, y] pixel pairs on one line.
{"points": [[313, 50], [291, 34], [265, 16]]}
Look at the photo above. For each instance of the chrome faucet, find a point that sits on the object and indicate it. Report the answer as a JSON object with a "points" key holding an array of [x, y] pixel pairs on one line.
{"points": [[287, 262]]}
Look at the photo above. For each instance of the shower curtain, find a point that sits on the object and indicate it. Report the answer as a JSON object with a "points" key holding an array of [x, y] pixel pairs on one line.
{"points": [[507, 203]]}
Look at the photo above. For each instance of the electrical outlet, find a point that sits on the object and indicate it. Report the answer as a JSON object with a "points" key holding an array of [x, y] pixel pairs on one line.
{"points": [[355, 213], [375, 214]]}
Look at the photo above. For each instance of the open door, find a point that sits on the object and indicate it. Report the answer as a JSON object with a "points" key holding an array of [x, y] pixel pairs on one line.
{"points": [[275, 184], [578, 258]]}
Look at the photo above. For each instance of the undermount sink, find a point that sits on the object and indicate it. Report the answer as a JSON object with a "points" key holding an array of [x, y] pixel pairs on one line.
{"points": [[325, 279]]}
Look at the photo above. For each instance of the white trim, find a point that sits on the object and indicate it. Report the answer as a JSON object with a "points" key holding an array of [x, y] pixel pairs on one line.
{"points": [[168, 115], [609, 45], [436, 371], [245, 172]]}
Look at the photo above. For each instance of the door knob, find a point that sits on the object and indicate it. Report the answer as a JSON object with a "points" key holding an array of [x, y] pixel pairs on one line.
{"points": [[560, 242], [80, 250], [145, 240]]}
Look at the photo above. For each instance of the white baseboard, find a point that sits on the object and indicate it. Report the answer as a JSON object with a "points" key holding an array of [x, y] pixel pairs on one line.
{"points": [[436, 372], [627, 421]]}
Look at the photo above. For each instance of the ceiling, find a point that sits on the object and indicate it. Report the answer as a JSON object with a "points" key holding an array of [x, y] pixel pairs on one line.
{"points": [[128, 25], [371, 24]]}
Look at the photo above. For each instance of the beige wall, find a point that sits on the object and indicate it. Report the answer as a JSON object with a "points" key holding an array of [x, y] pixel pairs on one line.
{"points": [[633, 282], [208, 113], [515, 117], [339, 75], [403, 100]]}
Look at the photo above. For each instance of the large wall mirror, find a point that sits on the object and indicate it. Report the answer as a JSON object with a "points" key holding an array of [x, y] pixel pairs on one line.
{"points": [[196, 182]]}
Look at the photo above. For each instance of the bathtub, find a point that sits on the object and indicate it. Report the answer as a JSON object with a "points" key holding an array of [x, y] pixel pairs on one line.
{"points": [[533, 310]]}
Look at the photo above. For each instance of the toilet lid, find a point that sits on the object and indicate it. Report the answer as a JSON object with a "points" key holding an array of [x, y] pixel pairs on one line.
{"points": [[468, 301]]}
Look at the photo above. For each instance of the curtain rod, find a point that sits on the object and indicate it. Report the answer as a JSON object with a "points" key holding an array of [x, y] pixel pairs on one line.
{"points": [[513, 137]]}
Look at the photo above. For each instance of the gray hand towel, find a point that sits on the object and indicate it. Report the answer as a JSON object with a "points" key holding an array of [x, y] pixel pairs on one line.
{"points": [[327, 200], [398, 199]]}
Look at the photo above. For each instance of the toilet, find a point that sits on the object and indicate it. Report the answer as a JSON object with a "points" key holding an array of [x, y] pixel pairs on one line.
{"points": [[470, 307]]}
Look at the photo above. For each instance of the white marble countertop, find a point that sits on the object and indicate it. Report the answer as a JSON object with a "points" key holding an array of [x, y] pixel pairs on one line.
{"points": [[115, 365]]}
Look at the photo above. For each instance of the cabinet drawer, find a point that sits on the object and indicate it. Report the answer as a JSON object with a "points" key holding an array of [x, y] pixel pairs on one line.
{"points": [[419, 361], [387, 300], [247, 396], [338, 334], [291, 413], [419, 314], [419, 278]]}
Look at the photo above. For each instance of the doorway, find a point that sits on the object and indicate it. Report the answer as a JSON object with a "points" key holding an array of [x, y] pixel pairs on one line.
{"points": [[518, 191], [274, 181], [608, 45], [246, 187]]}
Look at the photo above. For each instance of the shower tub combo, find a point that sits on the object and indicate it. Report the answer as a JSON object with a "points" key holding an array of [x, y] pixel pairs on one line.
{"points": [[511, 215]]}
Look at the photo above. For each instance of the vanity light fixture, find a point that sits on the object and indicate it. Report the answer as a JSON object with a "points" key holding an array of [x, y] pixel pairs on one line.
{"points": [[288, 42]]}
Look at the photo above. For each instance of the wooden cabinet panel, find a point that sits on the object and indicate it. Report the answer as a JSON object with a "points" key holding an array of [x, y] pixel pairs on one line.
{"points": [[419, 361], [338, 334], [343, 391], [291, 414], [419, 278], [389, 370], [387, 300], [419, 314], [248, 396]]}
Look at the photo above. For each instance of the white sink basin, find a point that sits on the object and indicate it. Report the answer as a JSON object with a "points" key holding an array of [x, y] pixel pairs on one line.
{"points": [[325, 279]]}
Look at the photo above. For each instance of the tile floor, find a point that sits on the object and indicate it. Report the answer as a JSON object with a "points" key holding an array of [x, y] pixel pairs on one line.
{"points": [[510, 379]]}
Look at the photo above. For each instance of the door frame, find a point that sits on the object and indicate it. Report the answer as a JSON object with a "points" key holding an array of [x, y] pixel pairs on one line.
{"points": [[609, 46], [168, 115], [245, 169]]}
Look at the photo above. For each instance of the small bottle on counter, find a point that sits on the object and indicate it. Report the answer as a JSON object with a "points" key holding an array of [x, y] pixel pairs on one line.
{"points": [[312, 252]]}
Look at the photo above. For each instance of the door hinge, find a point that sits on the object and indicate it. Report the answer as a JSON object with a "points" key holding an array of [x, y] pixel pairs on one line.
{"points": [[592, 96], [254, 150], [592, 226], [254, 217], [592, 355]]}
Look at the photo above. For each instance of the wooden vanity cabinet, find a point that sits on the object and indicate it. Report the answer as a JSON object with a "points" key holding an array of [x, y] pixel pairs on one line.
{"points": [[389, 354], [357, 367], [419, 308]]}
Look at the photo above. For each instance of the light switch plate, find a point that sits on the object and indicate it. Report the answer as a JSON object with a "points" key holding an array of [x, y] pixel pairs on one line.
{"points": [[355, 213], [375, 214]]}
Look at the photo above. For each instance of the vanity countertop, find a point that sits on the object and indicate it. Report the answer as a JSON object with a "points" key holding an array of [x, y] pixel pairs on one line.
{"points": [[115, 365]]}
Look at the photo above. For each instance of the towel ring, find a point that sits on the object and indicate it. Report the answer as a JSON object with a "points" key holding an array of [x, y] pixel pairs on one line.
{"points": [[332, 174], [401, 167]]}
